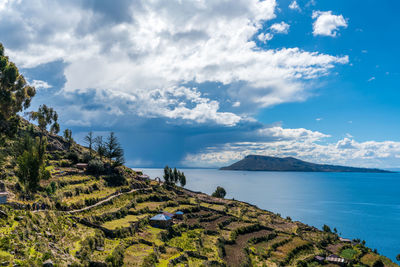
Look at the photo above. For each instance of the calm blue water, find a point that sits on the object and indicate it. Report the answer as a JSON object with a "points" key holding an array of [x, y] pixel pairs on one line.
{"points": [[359, 205]]}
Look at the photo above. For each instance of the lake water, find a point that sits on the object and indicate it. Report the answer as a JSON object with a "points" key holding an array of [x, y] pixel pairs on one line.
{"points": [[359, 205]]}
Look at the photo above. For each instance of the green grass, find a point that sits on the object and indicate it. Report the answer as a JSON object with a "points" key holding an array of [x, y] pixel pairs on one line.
{"points": [[348, 253], [187, 241], [135, 254], [123, 222]]}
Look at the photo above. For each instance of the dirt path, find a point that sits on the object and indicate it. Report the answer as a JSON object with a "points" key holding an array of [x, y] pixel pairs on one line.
{"points": [[105, 200], [100, 202]]}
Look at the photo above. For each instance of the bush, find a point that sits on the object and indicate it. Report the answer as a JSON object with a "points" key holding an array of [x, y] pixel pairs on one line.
{"points": [[95, 167], [73, 156], [150, 260], [219, 192], [116, 258], [86, 158], [378, 263], [326, 229], [65, 163]]}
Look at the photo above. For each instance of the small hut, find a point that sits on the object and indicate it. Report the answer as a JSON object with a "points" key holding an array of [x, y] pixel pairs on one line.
{"points": [[179, 214], [171, 215], [346, 240], [336, 260], [160, 221]]}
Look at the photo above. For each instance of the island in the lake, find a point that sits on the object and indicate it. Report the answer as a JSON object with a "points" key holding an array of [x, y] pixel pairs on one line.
{"points": [[266, 163]]}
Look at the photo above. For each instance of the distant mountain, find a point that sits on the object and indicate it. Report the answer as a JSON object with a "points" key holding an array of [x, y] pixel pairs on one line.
{"points": [[265, 163]]}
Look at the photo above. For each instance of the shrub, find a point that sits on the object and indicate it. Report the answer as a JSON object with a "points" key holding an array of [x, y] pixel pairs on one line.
{"points": [[86, 158], [378, 263], [326, 229], [116, 258], [73, 156], [65, 163], [95, 167], [219, 192], [150, 260]]}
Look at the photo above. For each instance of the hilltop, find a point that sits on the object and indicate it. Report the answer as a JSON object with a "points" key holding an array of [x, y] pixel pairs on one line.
{"points": [[266, 163]]}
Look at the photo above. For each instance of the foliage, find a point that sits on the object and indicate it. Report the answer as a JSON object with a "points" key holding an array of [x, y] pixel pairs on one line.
{"points": [[117, 178], [51, 188], [73, 156], [89, 244], [172, 177], [219, 192], [326, 229], [68, 137], [95, 167], [114, 150], [100, 146], [15, 95], [46, 116], [89, 141], [150, 260], [30, 165], [378, 263], [116, 258]]}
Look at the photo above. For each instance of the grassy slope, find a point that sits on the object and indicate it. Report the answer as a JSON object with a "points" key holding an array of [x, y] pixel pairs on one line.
{"points": [[213, 232]]}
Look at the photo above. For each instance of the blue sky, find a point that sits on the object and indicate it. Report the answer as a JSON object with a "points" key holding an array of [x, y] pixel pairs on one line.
{"points": [[204, 83]]}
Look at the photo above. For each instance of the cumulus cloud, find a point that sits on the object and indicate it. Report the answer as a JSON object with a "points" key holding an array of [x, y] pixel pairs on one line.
{"points": [[282, 27], [264, 37], [38, 84], [305, 145], [294, 5], [327, 24], [147, 50]]}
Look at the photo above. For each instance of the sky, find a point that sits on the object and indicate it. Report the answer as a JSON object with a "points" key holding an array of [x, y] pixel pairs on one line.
{"points": [[203, 83]]}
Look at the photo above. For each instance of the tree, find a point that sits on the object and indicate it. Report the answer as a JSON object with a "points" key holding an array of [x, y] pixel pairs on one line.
{"points": [[166, 174], [100, 146], [15, 95], [176, 176], [46, 116], [114, 150], [398, 257], [326, 229], [89, 140], [31, 165], [68, 137], [182, 179], [219, 192]]}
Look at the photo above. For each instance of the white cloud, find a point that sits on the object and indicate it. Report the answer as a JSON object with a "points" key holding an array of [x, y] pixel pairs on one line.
{"points": [[294, 5], [264, 37], [282, 27], [371, 79], [154, 47], [289, 134], [318, 119], [38, 84], [327, 24], [236, 104], [306, 145]]}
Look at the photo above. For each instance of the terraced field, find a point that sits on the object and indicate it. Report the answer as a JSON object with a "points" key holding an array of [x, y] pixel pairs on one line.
{"points": [[88, 222]]}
